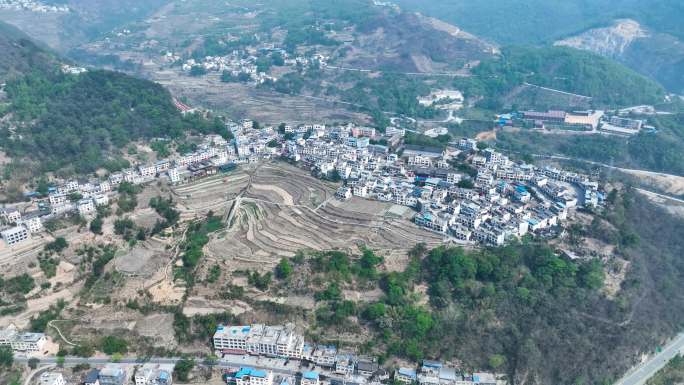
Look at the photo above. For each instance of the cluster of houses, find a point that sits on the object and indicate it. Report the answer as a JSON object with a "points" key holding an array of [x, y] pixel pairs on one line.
{"points": [[436, 373], [240, 63], [501, 200], [333, 367], [33, 6], [116, 374]]}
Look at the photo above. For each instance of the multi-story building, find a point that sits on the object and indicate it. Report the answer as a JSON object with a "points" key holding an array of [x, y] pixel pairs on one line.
{"points": [[405, 375], [10, 216], [86, 207], [22, 342], [15, 235], [280, 341], [33, 224]]}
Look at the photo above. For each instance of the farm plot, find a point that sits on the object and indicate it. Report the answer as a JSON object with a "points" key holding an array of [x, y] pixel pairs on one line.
{"points": [[284, 210]]}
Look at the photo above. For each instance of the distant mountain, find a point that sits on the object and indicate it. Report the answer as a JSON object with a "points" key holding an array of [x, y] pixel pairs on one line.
{"points": [[657, 55], [544, 21], [20, 55]]}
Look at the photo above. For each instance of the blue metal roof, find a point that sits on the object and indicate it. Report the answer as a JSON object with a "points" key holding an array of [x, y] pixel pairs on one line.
{"points": [[310, 375], [407, 372], [247, 371]]}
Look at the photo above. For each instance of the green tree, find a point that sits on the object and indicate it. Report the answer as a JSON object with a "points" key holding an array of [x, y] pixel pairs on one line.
{"points": [[58, 245], [96, 225], [112, 344], [6, 356], [33, 362], [183, 368], [496, 361], [284, 269]]}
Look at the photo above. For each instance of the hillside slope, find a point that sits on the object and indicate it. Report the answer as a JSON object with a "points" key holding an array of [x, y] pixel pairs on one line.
{"points": [[403, 41], [657, 55], [20, 54], [86, 20]]}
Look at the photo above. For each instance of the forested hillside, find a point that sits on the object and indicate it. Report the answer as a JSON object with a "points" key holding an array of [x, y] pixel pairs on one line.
{"points": [[77, 117], [565, 69], [79, 121]]}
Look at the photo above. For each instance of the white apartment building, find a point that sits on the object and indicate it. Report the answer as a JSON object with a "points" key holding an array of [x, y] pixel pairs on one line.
{"points": [[281, 341], [56, 199], [10, 215], [15, 235], [33, 225], [86, 207], [101, 200], [22, 342]]}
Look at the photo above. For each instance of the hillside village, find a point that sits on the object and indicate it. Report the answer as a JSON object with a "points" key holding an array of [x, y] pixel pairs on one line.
{"points": [[488, 200]]}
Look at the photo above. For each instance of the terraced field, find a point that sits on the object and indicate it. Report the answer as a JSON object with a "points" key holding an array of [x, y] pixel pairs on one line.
{"points": [[281, 209]]}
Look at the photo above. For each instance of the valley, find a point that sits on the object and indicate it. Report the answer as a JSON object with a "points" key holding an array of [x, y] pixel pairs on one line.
{"points": [[309, 192]]}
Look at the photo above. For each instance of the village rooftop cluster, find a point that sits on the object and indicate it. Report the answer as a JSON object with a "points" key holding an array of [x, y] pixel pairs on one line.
{"points": [[242, 65], [494, 200], [32, 6]]}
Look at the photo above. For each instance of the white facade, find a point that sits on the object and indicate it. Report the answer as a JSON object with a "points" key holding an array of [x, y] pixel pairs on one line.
{"points": [[15, 235], [33, 225], [51, 378], [86, 207], [279, 341]]}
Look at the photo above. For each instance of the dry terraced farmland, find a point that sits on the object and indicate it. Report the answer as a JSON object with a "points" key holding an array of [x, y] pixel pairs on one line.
{"points": [[278, 209]]}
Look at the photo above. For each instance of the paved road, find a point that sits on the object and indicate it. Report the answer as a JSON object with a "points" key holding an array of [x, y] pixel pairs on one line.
{"points": [[291, 370], [640, 374]]}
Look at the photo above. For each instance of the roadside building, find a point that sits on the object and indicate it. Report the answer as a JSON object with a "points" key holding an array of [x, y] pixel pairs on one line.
{"points": [[251, 376], [113, 374], [310, 378], [92, 378], [51, 378], [276, 341], [154, 374]]}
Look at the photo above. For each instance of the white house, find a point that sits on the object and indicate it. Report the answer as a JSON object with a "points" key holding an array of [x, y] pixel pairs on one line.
{"points": [[51, 378], [15, 235], [86, 207]]}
